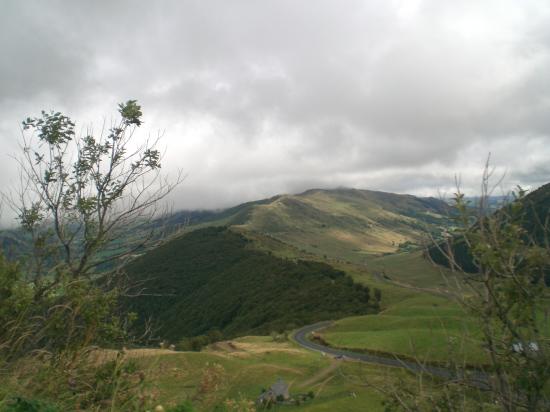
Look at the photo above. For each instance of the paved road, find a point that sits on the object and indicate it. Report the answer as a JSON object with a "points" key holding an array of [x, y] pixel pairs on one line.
{"points": [[479, 379]]}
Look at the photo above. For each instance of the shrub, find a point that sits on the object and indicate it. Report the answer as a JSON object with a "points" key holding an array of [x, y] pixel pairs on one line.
{"points": [[186, 406], [18, 404]]}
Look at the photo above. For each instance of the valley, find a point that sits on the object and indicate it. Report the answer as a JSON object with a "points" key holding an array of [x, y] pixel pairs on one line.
{"points": [[228, 290], [214, 206], [358, 233]]}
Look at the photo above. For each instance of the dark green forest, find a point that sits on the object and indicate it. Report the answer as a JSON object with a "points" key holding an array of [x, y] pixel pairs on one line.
{"points": [[211, 279]]}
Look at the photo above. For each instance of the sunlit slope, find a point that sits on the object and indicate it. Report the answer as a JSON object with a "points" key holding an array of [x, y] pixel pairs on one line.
{"points": [[347, 223], [241, 368]]}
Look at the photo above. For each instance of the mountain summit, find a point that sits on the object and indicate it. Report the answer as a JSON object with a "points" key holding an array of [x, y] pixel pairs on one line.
{"points": [[340, 222]]}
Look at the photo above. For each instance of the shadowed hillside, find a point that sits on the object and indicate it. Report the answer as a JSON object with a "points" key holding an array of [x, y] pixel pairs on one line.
{"points": [[210, 279]]}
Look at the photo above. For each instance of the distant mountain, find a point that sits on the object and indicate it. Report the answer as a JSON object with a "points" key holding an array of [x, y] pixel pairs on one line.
{"points": [[14, 243], [535, 220], [341, 223], [211, 279]]}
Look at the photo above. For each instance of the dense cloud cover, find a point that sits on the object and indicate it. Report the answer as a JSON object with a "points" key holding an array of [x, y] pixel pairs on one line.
{"points": [[262, 97]]}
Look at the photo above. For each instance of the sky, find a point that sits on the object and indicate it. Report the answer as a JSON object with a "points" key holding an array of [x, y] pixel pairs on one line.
{"points": [[256, 98]]}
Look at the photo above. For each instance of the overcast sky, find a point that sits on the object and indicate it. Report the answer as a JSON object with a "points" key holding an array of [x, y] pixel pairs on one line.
{"points": [[264, 97]]}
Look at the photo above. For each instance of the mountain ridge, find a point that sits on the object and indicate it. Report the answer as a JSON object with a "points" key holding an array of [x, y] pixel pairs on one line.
{"points": [[345, 223], [337, 222]]}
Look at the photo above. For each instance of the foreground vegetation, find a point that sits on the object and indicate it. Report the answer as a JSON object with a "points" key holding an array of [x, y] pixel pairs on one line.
{"points": [[79, 195], [242, 370]]}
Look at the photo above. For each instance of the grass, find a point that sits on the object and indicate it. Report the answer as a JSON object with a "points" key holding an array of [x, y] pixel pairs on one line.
{"points": [[411, 268], [416, 320], [345, 224], [256, 364], [423, 326]]}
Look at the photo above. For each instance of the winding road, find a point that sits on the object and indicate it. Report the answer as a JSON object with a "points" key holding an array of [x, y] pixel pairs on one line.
{"points": [[478, 378]]}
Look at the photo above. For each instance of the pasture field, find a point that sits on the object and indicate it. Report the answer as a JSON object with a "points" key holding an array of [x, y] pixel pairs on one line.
{"points": [[425, 327], [412, 269], [241, 368], [418, 319]]}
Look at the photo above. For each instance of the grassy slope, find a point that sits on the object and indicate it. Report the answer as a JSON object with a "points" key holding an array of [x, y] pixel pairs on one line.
{"points": [[345, 223], [417, 318], [412, 269], [407, 274], [257, 363], [425, 327], [415, 321]]}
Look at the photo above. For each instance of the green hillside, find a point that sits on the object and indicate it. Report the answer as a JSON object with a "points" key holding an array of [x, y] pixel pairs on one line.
{"points": [[426, 327], [246, 365], [346, 224], [211, 279]]}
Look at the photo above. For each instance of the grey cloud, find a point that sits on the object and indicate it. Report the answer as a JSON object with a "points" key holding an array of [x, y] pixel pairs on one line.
{"points": [[264, 97]]}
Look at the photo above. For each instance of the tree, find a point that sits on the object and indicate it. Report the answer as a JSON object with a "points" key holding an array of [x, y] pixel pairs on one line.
{"points": [[81, 195], [87, 203], [507, 295]]}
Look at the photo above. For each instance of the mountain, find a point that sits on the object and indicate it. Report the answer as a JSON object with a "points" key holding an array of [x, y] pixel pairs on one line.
{"points": [[212, 279], [348, 224], [14, 243], [535, 218], [340, 223]]}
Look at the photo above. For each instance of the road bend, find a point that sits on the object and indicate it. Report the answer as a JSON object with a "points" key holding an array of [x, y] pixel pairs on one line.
{"points": [[478, 378]]}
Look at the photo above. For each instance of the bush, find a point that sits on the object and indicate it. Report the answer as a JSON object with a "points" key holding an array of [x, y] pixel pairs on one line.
{"points": [[18, 404], [186, 406], [195, 344]]}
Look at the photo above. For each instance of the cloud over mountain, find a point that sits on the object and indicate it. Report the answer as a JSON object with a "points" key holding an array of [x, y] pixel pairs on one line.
{"points": [[257, 98]]}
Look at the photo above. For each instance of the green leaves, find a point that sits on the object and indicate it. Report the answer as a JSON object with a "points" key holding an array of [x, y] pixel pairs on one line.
{"points": [[31, 216], [53, 128], [152, 158], [130, 112], [80, 184]]}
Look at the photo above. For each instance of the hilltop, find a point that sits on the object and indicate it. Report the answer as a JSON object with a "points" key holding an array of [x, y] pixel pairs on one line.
{"points": [[340, 223]]}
